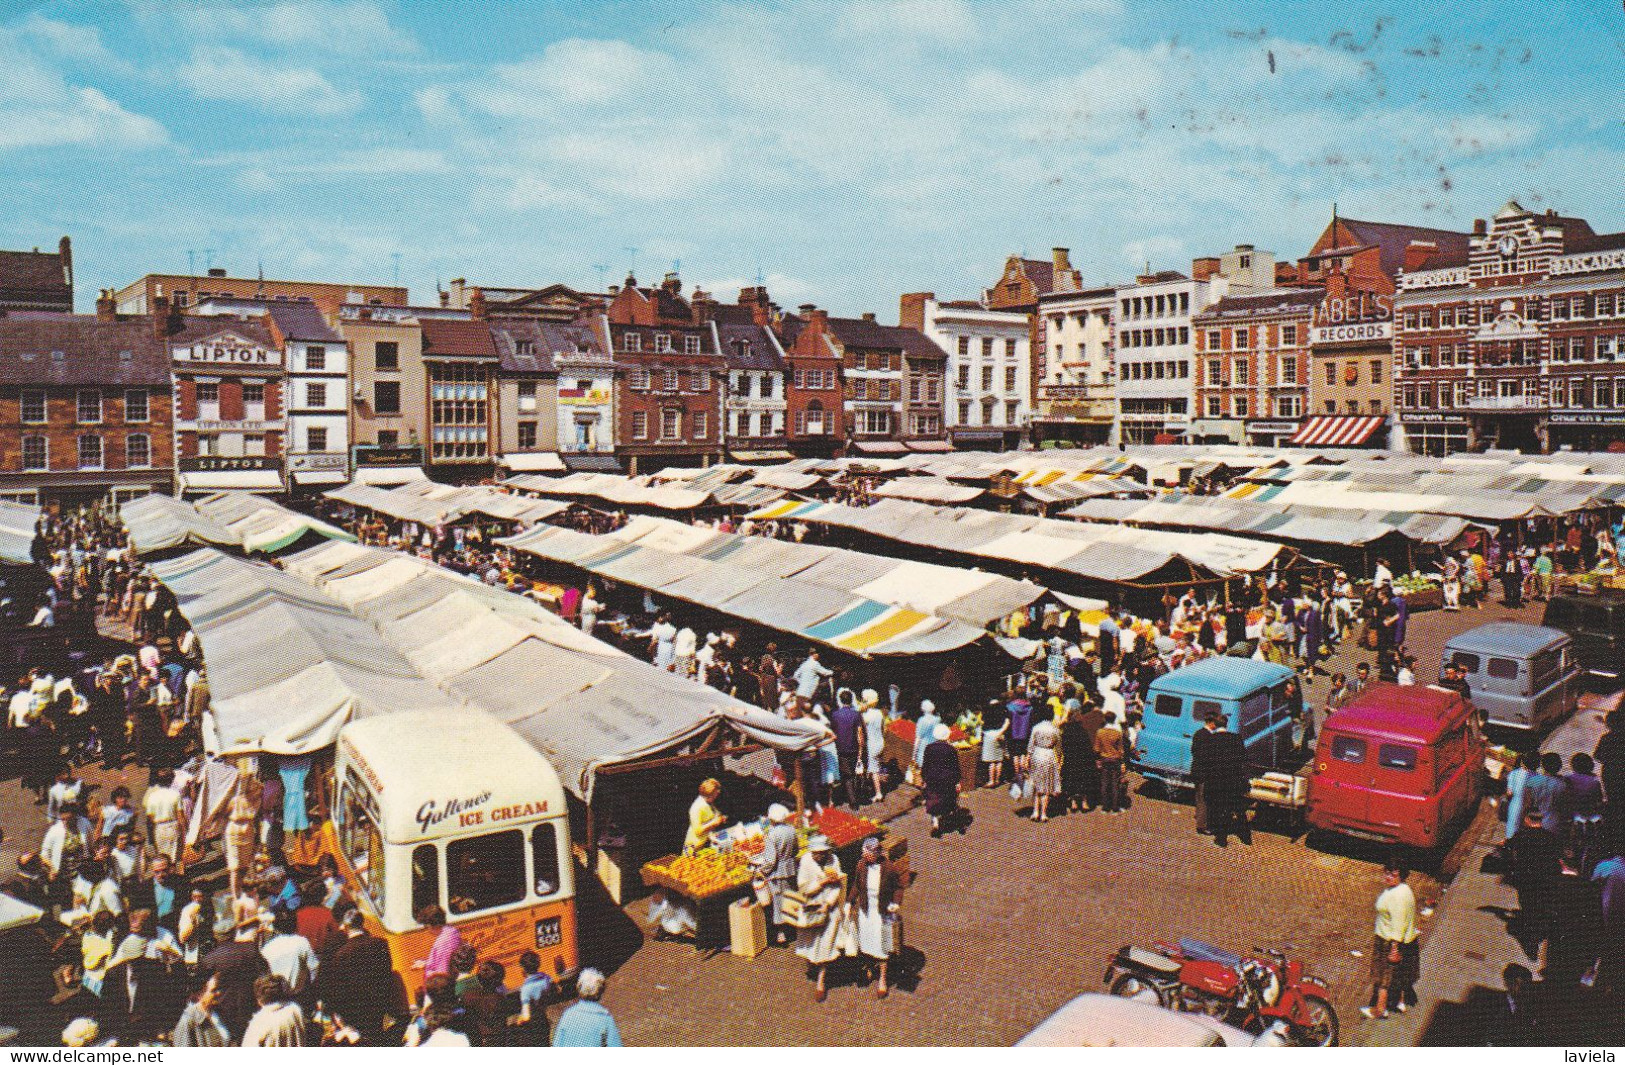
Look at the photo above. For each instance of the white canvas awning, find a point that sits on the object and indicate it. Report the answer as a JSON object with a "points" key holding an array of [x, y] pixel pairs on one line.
{"points": [[231, 480], [388, 475], [532, 462]]}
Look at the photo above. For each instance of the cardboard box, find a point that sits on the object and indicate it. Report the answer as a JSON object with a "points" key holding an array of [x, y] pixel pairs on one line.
{"points": [[747, 929]]}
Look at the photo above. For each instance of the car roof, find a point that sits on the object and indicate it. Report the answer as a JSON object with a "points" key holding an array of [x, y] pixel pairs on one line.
{"points": [[1507, 638], [1224, 677], [1097, 1020], [1412, 712]]}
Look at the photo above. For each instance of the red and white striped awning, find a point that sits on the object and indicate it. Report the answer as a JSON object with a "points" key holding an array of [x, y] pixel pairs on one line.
{"points": [[1337, 430]]}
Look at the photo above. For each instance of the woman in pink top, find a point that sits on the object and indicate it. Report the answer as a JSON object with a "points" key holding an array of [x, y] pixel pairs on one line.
{"points": [[447, 939]]}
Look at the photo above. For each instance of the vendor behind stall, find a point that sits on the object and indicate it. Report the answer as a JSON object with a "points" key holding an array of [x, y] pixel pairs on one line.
{"points": [[703, 818]]}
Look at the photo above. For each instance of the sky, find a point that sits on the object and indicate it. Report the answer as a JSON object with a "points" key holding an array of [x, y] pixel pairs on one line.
{"points": [[844, 151]]}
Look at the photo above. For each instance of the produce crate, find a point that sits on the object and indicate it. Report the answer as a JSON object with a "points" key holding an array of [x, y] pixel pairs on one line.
{"points": [[618, 874], [656, 874], [747, 929], [1427, 599]]}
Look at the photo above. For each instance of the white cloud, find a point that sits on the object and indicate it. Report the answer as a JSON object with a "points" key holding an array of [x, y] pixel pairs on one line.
{"points": [[219, 73], [338, 27], [913, 21], [68, 40], [39, 108], [344, 163]]}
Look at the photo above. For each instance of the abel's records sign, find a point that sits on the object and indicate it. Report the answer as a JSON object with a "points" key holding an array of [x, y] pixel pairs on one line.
{"points": [[1356, 318]]}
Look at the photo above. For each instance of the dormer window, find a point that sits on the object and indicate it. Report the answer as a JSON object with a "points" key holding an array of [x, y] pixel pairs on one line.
{"points": [[525, 347], [662, 342]]}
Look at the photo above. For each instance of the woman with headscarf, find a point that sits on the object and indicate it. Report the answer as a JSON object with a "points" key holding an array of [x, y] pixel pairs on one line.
{"points": [[820, 881], [874, 900], [939, 769], [775, 866], [1046, 767], [923, 729], [874, 738]]}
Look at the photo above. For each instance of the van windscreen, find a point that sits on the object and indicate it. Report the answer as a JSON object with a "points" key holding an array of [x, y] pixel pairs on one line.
{"points": [[1168, 705], [485, 871], [1348, 749], [1396, 756]]}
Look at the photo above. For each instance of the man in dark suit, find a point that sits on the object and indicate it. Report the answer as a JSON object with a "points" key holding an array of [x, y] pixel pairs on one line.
{"points": [[237, 964], [1219, 768], [847, 723], [358, 983]]}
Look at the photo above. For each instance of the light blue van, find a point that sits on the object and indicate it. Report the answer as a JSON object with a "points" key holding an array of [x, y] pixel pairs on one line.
{"points": [[1519, 676], [1250, 694]]}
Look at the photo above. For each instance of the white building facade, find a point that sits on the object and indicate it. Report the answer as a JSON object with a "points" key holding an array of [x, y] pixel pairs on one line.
{"points": [[1077, 400], [989, 371]]}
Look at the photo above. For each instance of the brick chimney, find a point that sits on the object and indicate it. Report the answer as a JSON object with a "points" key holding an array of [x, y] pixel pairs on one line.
{"points": [[106, 306], [476, 303], [672, 283], [1202, 269], [65, 250], [702, 304], [868, 316], [1481, 228], [160, 313], [911, 309]]}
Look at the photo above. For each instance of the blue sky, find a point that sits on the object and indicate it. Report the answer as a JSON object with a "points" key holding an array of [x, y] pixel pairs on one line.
{"points": [[846, 150]]}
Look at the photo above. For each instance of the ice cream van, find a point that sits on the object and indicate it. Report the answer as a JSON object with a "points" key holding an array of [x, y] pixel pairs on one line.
{"points": [[457, 811]]}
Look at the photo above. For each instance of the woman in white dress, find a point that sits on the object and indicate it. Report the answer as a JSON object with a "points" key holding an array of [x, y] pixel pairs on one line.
{"points": [[819, 879], [877, 897], [874, 738]]}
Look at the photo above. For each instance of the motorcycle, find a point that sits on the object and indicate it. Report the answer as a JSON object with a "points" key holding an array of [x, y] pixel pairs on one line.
{"points": [[1263, 991]]}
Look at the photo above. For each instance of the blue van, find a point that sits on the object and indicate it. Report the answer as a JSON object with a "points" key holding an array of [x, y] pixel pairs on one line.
{"points": [[1250, 694]]}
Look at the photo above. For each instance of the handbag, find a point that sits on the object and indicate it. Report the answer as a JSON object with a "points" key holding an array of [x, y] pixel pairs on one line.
{"points": [[846, 937]]}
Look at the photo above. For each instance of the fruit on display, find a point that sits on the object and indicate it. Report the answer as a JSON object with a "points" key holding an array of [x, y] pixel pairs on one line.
{"points": [[705, 872], [842, 828], [902, 728], [1411, 582]]}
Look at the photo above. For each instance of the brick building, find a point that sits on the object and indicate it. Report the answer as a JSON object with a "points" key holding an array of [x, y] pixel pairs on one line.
{"points": [[551, 303], [230, 413], [37, 280], [1519, 343], [186, 290], [1252, 361], [668, 396], [756, 396], [389, 412], [85, 407], [1351, 336], [814, 404], [892, 381], [1077, 399], [1019, 288]]}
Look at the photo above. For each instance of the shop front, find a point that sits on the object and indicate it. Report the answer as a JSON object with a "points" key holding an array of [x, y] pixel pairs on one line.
{"points": [[1436, 433], [207, 474], [1271, 432], [1586, 430]]}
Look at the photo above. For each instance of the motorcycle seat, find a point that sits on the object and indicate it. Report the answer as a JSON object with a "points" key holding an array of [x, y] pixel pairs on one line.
{"points": [[1151, 961]]}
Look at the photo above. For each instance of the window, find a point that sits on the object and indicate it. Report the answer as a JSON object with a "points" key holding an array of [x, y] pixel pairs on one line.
{"points": [[1376, 371], [671, 381], [316, 438], [35, 453], [315, 357], [1466, 661], [544, 861], [987, 379], [1012, 408], [1243, 407], [315, 394], [1215, 339], [671, 423], [640, 425], [1503, 668], [425, 876], [389, 438], [639, 381], [527, 396], [90, 452], [702, 424], [135, 405], [33, 405], [1331, 373], [1348, 749], [1289, 369], [254, 402], [485, 871], [1396, 756], [691, 345], [137, 450], [363, 844], [663, 342], [254, 444], [1289, 336], [632, 341], [208, 443], [1242, 371], [699, 380], [1289, 406], [964, 412], [964, 347], [386, 355], [1009, 348], [386, 397], [1009, 378], [90, 406], [1215, 371], [1168, 705], [1242, 338], [527, 434], [1215, 406], [964, 377]]}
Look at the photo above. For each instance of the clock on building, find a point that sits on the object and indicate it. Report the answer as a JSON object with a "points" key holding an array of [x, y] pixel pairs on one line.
{"points": [[1507, 246]]}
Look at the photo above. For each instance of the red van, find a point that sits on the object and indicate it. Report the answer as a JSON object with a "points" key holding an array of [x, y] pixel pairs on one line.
{"points": [[1399, 764]]}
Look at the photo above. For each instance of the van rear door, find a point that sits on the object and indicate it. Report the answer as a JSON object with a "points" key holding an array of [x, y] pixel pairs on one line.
{"points": [[1348, 772]]}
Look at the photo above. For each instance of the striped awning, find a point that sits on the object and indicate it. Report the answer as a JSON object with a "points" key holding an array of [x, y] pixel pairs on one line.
{"points": [[1337, 430]]}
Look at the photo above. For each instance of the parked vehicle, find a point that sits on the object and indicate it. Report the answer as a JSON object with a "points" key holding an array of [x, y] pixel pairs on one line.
{"points": [[1096, 1020], [1253, 993], [1596, 624], [1521, 676], [1250, 694], [1398, 764]]}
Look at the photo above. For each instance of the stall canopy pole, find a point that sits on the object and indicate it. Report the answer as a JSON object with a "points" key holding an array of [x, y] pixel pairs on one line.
{"points": [[799, 790]]}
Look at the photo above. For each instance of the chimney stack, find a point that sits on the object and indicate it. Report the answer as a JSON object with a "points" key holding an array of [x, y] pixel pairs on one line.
{"points": [[160, 313], [868, 316], [65, 249], [476, 303], [672, 283], [1061, 258], [1480, 227], [911, 309], [106, 307], [806, 309], [1202, 269]]}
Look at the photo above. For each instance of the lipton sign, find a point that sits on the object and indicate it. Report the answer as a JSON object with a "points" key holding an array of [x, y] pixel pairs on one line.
{"points": [[231, 349]]}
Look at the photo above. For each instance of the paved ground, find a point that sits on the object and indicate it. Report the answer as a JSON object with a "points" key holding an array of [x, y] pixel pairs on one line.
{"points": [[1005, 923], [1010, 921]]}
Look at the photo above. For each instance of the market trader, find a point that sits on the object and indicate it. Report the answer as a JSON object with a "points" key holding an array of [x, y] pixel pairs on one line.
{"points": [[776, 864]]}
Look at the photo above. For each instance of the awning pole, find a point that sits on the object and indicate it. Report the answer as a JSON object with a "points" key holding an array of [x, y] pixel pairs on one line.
{"points": [[799, 790]]}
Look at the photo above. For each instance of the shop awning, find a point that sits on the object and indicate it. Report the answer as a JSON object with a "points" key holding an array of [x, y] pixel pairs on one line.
{"points": [[930, 446], [591, 463], [878, 447], [1337, 430], [17, 522], [532, 462], [761, 456], [389, 475], [232, 480]]}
